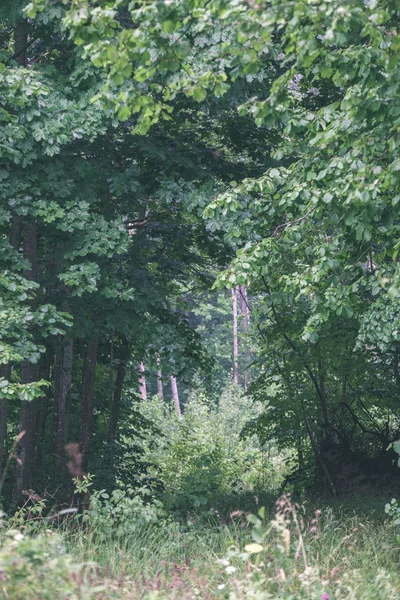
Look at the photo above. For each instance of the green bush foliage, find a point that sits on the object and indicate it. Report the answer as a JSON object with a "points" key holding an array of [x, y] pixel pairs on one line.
{"points": [[122, 512], [202, 457], [39, 567]]}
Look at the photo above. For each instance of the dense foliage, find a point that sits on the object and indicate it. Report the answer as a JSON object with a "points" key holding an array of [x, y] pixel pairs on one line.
{"points": [[153, 150], [199, 298]]}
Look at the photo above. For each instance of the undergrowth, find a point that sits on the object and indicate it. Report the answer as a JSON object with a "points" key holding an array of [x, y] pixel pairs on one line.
{"points": [[289, 552]]}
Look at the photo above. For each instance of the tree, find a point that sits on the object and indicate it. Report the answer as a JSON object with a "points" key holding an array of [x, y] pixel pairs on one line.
{"points": [[311, 215], [94, 250]]}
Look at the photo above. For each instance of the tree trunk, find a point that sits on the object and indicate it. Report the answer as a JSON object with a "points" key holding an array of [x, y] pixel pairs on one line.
{"points": [[29, 371], [160, 390], [235, 339], [42, 411], [142, 382], [25, 453], [175, 396], [245, 312], [5, 370], [15, 232], [21, 43], [117, 394], [29, 374], [64, 356], [5, 373], [244, 307], [88, 379]]}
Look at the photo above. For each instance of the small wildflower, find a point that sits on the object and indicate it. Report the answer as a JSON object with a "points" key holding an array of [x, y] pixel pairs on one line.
{"points": [[325, 597], [230, 569], [223, 561]]}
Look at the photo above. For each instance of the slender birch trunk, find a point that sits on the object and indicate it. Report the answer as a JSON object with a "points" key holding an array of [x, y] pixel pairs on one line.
{"points": [[245, 312], [235, 338], [175, 396]]}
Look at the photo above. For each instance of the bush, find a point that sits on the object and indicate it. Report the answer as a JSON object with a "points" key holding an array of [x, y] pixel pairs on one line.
{"points": [[122, 513], [39, 567], [202, 457]]}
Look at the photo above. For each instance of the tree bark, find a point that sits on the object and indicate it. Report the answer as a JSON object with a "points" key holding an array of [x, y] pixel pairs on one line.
{"points": [[29, 374], [42, 411], [21, 43], [142, 382], [88, 379], [64, 357], [117, 394], [5, 370], [5, 373], [319, 457], [245, 312], [160, 390], [235, 339], [175, 396], [244, 307]]}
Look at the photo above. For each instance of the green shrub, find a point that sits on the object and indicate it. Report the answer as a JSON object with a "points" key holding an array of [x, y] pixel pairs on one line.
{"points": [[202, 457], [33, 568], [392, 509], [122, 513]]}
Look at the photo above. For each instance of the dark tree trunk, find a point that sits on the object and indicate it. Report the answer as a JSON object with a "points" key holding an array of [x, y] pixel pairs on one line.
{"points": [[26, 447], [42, 411], [5, 370], [88, 378], [5, 373], [21, 43], [15, 232], [117, 394], [63, 363], [20, 38], [29, 374], [160, 390]]}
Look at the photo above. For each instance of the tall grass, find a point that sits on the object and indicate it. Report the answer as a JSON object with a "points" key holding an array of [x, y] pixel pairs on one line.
{"points": [[345, 555]]}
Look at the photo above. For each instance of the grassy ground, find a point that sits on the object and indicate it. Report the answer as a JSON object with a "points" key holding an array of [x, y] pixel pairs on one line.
{"points": [[345, 552]]}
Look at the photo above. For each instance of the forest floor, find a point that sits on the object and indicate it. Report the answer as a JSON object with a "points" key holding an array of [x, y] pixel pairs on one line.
{"points": [[345, 552]]}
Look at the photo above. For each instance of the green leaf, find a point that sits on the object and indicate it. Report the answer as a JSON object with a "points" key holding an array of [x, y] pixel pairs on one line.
{"points": [[199, 93], [169, 26], [112, 53]]}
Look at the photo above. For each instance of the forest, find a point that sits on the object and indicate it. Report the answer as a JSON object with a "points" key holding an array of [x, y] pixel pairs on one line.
{"points": [[199, 299]]}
